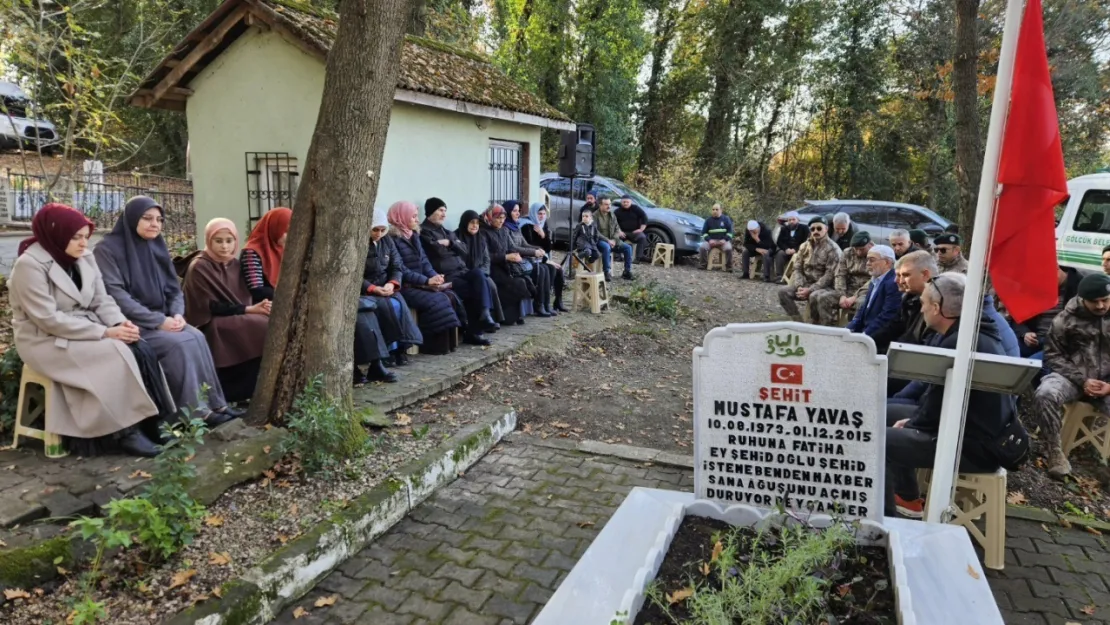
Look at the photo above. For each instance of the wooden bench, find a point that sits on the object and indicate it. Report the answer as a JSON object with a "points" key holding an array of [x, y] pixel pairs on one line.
{"points": [[1083, 424], [25, 416], [664, 255], [980, 496]]}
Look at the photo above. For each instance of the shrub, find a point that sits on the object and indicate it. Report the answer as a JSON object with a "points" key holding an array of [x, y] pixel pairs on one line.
{"points": [[653, 300], [323, 433], [679, 183]]}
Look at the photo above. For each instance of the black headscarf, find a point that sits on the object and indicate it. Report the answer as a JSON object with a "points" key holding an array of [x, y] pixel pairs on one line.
{"points": [[146, 266], [511, 223], [475, 243]]}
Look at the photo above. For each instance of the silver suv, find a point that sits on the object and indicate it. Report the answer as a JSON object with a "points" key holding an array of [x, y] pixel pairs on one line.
{"points": [[878, 218], [16, 129], [665, 225]]}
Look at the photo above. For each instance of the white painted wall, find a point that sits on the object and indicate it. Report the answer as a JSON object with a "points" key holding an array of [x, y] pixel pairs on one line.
{"points": [[263, 95]]}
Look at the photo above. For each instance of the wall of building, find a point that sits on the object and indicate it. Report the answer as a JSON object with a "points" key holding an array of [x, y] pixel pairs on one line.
{"points": [[263, 95]]}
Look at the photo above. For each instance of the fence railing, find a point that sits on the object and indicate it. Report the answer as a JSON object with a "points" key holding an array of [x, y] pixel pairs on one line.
{"points": [[101, 202]]}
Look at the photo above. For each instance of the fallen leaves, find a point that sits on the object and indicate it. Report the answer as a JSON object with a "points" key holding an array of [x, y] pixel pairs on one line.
{"points": [[680, 595], [1092, 530], [142, 474], [181, 578], [213, 521], [326, 601], [972, 572], [560, 425], [1016, 498], [219, 559], [843, 589], [717, 549], [705, 569], [299, 612], [16, 593], [1088, 609], [402, 419], [266, 449], [585, 524]]}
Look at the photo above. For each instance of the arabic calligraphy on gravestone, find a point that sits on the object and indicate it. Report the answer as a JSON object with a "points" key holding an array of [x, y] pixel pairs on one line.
{"points": [[792, 418]]}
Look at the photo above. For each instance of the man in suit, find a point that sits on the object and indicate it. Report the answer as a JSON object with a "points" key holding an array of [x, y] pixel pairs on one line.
{"points": [[883, 301]]}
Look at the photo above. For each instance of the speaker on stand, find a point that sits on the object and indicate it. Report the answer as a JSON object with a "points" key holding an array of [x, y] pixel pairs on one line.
{"points": [[576, 159]]}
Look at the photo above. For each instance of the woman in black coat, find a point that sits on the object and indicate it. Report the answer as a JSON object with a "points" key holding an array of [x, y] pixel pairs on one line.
{"points": [[437, 310], [513, 286], [477, 257], [381, 285], [544, 274]]}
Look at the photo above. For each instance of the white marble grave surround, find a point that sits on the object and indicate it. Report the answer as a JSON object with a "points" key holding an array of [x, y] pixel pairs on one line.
{"points": [[935, 564], [782, 431]]}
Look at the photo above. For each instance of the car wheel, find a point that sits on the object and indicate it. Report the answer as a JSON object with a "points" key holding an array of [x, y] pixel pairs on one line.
{"points": [[654, 235]]}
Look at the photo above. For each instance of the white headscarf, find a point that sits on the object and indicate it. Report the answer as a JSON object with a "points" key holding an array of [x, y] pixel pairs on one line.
{"points": [[534, 211]]}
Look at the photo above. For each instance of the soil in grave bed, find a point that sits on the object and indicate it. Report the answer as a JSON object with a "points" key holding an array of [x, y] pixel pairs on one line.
{"points": [[799, 575]]}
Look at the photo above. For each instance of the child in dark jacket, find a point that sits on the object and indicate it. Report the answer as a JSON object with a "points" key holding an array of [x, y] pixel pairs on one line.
{"points": [[587, 238]]}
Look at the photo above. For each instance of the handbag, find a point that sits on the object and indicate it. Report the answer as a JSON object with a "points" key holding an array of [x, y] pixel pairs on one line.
{"points": [[1011, 448], [367, 304]]}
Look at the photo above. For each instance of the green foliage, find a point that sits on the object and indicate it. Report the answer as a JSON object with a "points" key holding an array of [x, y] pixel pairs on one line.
{"points": [[88, 612], [653, 300], [11, 372], [323, 433]]}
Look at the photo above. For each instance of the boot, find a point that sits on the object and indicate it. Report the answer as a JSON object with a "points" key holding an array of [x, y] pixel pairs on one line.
{"points": [[216, 419], [1058, 465], [358, 378], [559, 307], [135, 443], [234, 412], [400, 358], [487, 322], [476, 339], [627, 275], [538, 309], [608, 276], [377, 372]]}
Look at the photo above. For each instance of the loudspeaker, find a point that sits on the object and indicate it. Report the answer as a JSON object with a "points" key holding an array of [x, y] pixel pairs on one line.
{"points": [[576, 152]]}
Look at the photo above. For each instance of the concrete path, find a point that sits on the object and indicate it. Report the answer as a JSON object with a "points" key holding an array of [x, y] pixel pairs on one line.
{"points": [[492, 547]]}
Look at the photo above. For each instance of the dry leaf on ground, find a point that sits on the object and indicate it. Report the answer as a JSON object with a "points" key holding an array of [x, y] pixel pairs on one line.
{"points": [[326, 601], [181, 578], [705, 569], [1092, 530], [213, 521], [402, 419], [680, 595], [585, 524], [1016, 498], [1088, 609], [972, 572], [717, 549], [299, 612], [16, 593], [142, 474], [219, 559]]}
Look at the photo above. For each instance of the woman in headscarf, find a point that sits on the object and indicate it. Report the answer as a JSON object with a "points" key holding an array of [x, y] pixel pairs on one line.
{"points": [[533, 261], [261, 256], [381, 281], [513, 285], [436, 309], [218, 303], [68, 329], [477, 257], [139, 275], [538, 234]]}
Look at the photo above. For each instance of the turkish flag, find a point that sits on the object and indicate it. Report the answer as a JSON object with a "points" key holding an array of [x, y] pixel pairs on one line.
{"points": [[1031, 172], [786, 374]]}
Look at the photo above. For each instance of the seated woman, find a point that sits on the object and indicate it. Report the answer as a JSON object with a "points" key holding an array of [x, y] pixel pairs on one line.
{"points": [[436, 309], [477, 257], [534, 262], [261, 256], [139, 275], [218, 303], [446, 254], [69, 330], [539, 235], [513, 284], [381, 281]]}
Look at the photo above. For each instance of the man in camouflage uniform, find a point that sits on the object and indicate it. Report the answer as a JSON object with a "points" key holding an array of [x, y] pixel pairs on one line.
{"points": [[949, 256], [850, 281], [1078, 354], [814, 270]]}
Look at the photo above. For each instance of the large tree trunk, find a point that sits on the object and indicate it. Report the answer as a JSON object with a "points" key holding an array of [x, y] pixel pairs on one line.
{"points": [[652, 129], [312, 327], [965, 82], [742, 23]]}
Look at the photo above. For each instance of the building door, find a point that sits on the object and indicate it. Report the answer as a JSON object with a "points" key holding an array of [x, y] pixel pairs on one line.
{"points": [[506, 171]]}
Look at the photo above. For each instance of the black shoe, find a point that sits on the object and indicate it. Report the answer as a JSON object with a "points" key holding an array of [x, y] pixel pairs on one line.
{"points": [[560, 307], [608, 276], [358, 378], [377, 372], [520, 321], [476, 339], [540, 312], [488, 324], [627, 275], [216, 419], [234, 412], [400, 358], [135, 443]]}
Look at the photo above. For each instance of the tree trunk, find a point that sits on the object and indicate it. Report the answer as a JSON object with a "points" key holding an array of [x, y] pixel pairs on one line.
{"points": [[651, 132], [418, 18], [312, 327], [743, 21], [965, 83]]}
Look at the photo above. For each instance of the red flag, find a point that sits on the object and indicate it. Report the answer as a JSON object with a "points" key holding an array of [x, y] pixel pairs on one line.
{"points": [[1031, 172]]}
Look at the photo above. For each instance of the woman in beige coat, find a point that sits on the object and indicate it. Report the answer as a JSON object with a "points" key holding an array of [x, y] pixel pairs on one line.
{"points": [[68, 329]]}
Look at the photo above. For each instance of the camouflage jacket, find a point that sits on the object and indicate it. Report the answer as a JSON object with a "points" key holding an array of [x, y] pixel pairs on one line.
{"points": [[816, 264], [1078, 345], [960, 266], [851, 274]]}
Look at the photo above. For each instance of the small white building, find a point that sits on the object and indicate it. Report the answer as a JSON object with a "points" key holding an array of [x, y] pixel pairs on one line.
{"points": [[250, 79]]}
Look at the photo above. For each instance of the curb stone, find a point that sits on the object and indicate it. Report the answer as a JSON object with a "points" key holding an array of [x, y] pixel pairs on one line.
{"points": [[274, 584]]}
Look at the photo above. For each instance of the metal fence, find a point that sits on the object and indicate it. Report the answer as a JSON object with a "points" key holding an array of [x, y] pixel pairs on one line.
{"points": [[101, 202]]}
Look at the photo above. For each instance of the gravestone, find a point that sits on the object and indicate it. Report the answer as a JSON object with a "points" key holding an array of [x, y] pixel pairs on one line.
{"points": [[790, 415]]}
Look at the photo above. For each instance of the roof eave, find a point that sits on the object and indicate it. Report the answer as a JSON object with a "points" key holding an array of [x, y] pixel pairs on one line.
{"points": [[480, 110]]}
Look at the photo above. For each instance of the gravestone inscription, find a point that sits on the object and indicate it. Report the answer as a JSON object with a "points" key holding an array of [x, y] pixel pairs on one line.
{"points": [[790, 415]]}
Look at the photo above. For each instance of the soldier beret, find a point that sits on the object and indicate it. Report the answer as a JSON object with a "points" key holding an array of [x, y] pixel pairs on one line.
{"points": [[947, 239], [1094, 286], [919, 237], [860, 239], [818, 219]]}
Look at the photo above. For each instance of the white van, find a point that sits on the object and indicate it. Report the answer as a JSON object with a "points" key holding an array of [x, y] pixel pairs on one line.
{"points": [[1084, 227]]}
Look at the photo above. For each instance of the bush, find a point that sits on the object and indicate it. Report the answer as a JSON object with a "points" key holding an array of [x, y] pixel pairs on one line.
{"points": [[322, 433], [654, 300], [11, 370], [679, 183]]}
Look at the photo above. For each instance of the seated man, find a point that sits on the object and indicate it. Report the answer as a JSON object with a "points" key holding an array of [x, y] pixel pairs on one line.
{"points": [[610, 232], [882, 302], [1079, 367], [757, 241], [632, 221], [900, 243], [920, 240], [791, 236], [813, 272], [716, 233], [843, 231], [851, 280], [1032, 332], [949, 256], [911, 439]]}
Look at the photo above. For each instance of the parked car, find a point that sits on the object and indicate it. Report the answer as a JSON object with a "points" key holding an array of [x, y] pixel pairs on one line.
{"points": [[665, 225], [877, 217], [1083, 228], [16, 128]]}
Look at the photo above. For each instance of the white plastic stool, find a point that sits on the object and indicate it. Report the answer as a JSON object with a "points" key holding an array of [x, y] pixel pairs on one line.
{"points": [[25, 416], [981, 495]]}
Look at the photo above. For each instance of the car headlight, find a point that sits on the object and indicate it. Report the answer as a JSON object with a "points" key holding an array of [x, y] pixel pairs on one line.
{"points": [[682, 221]]}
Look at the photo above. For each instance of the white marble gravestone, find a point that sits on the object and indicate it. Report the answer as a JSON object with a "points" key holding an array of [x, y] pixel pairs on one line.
{"points": [[790, 415]]}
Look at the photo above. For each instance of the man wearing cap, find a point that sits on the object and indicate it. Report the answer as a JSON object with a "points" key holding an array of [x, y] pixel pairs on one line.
{"points": [[757, 241], [882, 302], [1076, 354], [632, 221], [791, 236], [716, 233], [920, 240], [842, 231], [851, 280], [814, 271], [949, 256]]}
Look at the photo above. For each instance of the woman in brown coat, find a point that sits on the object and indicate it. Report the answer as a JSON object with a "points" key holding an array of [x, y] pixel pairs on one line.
{"points": [[70, 330]]}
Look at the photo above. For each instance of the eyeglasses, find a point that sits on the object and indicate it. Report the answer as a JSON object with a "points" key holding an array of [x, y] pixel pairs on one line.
{"points": [[945, 250], [940, 297], [817, 228]]}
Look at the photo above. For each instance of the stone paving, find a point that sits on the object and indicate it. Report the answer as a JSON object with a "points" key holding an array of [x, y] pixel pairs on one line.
{"points": [[491, 548]]}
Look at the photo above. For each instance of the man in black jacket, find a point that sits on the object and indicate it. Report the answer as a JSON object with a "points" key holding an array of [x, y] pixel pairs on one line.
{"points": [[757, 241], [632, 221], [447, 254], [791, 236], [911, 439], [842, 231]]}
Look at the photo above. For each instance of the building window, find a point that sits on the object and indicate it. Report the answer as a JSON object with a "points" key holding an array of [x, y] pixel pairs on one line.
{"points": [[271, 182], [508, 167]]}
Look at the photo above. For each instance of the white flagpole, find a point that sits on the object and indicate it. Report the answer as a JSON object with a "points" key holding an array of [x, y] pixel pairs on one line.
{"points": [[956, 383]]}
